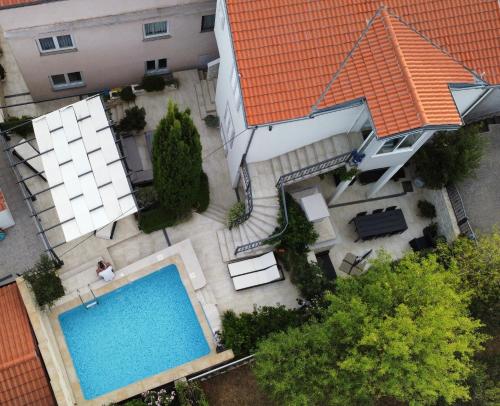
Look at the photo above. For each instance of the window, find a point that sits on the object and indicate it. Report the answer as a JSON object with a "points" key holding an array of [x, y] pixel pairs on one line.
{"points": [[67, 80], [207, 23], [156, 66], [399, 143], [410, 140], [389, 146], [158, 29], [56, 43]]}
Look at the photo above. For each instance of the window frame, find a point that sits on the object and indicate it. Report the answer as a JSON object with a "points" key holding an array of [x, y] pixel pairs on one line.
{"points": [[157, 70], [401, 140], [156, 36], [55, 40], [68, 84], [230, 131], [212, 28]]}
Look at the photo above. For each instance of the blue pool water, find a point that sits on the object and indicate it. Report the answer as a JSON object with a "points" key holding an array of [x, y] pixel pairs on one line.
{"points": [[136, 331]]}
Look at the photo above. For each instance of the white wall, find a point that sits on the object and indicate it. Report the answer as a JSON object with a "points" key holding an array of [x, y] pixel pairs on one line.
{"points": [[291, 135], [111, 50], [398, 157], [465, 97]]}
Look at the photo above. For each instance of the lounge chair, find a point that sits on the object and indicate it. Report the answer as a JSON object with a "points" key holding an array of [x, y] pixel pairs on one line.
{"points": [[257, 278], [251, 265], [138, 175]]}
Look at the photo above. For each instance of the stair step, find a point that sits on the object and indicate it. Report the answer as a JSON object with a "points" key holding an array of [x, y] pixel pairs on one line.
{"points": [[264, 227], [294, 160], [249, 232], [223, 246], [277, 169], [209, 105], [199, 98], [320, 152], [311, 154], [302, 157], [211, 90], [329, 147], [285, 163]]}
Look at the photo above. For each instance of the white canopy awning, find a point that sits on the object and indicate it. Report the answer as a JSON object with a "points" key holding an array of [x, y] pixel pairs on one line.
{"points": [[83, 168]]}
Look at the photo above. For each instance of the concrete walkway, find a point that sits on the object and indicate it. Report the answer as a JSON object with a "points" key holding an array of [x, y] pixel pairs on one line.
{"points": [[481, 195], [22, 247]]}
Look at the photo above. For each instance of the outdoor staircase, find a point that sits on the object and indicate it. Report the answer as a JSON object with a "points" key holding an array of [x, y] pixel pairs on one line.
{"points": [[217, 213], [264, 176], [205, 94]]}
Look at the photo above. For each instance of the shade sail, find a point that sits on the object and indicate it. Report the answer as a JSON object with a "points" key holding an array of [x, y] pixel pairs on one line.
{"points": [[83, 168]]}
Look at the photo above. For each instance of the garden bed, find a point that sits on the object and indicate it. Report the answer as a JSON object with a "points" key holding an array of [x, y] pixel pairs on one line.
{"points": [[237, 387]]}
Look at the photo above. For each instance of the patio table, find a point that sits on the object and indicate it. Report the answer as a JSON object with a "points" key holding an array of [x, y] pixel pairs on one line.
{"points": [[380, 224]]}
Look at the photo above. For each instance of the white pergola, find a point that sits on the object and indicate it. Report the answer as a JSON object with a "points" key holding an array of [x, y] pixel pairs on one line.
{"points": [[83, 168]]}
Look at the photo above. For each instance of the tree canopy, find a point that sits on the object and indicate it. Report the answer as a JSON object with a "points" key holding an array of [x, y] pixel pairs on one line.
{"points": [[401, 331], [450, 156], [177, 163]]}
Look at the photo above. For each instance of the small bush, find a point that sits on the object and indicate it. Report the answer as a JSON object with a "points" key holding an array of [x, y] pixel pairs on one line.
{"points": [[44, 282], [160, 397], [134, 120], [127, 94], [300, 232], [153, 83], [307, 276], [190, 394], [146, 197], [156, 218], [203, 194], [242, 332], [345, 174], [212, 121], [135, 402], [235, 213], [172, 82], [426, 209], [22, 130]]}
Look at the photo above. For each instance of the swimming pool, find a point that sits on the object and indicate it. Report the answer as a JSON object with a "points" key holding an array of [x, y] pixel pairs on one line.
{"points": [[136, 331]]}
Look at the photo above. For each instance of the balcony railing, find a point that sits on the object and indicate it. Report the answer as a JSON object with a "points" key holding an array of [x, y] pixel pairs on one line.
{"points": [[302, 173], [459, 210], [248, 194]]}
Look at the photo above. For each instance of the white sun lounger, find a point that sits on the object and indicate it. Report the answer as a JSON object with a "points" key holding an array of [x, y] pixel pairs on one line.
{"points": [[253, 264], [26, 151], [257, 278]]}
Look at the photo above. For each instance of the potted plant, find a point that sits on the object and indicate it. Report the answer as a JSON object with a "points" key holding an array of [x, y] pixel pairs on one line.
{"points": [[127, 94], [426, 209], [151, 83], [211, 121]]}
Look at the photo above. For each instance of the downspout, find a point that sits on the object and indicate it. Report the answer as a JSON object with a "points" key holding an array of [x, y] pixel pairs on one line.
{"points": [[244, 157]]}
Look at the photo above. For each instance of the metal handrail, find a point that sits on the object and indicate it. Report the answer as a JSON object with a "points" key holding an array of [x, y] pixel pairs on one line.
{"points": [[248, 194], [460, 213], [280, 185]]}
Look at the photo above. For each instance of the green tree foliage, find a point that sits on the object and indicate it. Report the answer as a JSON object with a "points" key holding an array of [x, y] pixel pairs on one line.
{"points": [[21, 125], [450, 156], [134, 120], [300, 232], [399, 332], [44, 282], [177, 163], [478, 265], [242, 332]]}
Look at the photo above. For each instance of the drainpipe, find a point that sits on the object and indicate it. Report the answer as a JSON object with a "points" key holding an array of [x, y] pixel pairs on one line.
{"points": [[249, 143]]}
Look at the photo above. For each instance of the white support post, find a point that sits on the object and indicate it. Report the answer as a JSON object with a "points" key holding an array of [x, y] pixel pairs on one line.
{"points": [[339, 190], [388, 174]]}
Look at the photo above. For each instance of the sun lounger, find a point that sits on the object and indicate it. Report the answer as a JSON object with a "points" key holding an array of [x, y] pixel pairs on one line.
{"points": [[138, 176], [253, 264], [257, 278], [24, 150]]}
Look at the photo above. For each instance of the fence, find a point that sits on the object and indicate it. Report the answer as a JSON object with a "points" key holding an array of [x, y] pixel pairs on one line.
{"points": [[222, 369], [460, 213]]}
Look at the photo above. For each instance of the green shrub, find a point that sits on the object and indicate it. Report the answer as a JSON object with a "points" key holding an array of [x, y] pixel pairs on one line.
{"points": [[134, 120], [156, 218], [450, 157], [235, 212], [243, 332], [203, 194], [300, 232], [172, 82], [135, 402], [146, 196], [307, 276], [426, 209], [345, 174], [211, 121], [152, 83], [127, 94], [44, 282], [22, 130], [190, 394], [160, 397]]}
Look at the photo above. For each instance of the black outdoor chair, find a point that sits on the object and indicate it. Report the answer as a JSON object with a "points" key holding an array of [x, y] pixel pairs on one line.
{"points": [[361, 213], [377, 211], [391, 208]]}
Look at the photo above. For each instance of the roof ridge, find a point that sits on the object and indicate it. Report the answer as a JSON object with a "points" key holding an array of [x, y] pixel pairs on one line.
{"points": [[404, 67], [314, 107]]}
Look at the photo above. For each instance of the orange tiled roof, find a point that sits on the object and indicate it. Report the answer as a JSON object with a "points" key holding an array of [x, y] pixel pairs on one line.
{"points": [[288, 50], [22, 377], [16, 3]]}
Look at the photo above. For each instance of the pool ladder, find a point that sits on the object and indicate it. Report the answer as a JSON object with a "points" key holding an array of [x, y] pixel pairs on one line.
{"points": [[90, 303]]}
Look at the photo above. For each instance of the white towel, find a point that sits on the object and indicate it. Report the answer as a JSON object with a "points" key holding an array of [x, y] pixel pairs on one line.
{"points": [[107, 274]]}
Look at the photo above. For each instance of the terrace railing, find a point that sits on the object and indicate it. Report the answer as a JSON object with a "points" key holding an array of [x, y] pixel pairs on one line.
{"points": [[459, 210], [290, 177]]}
